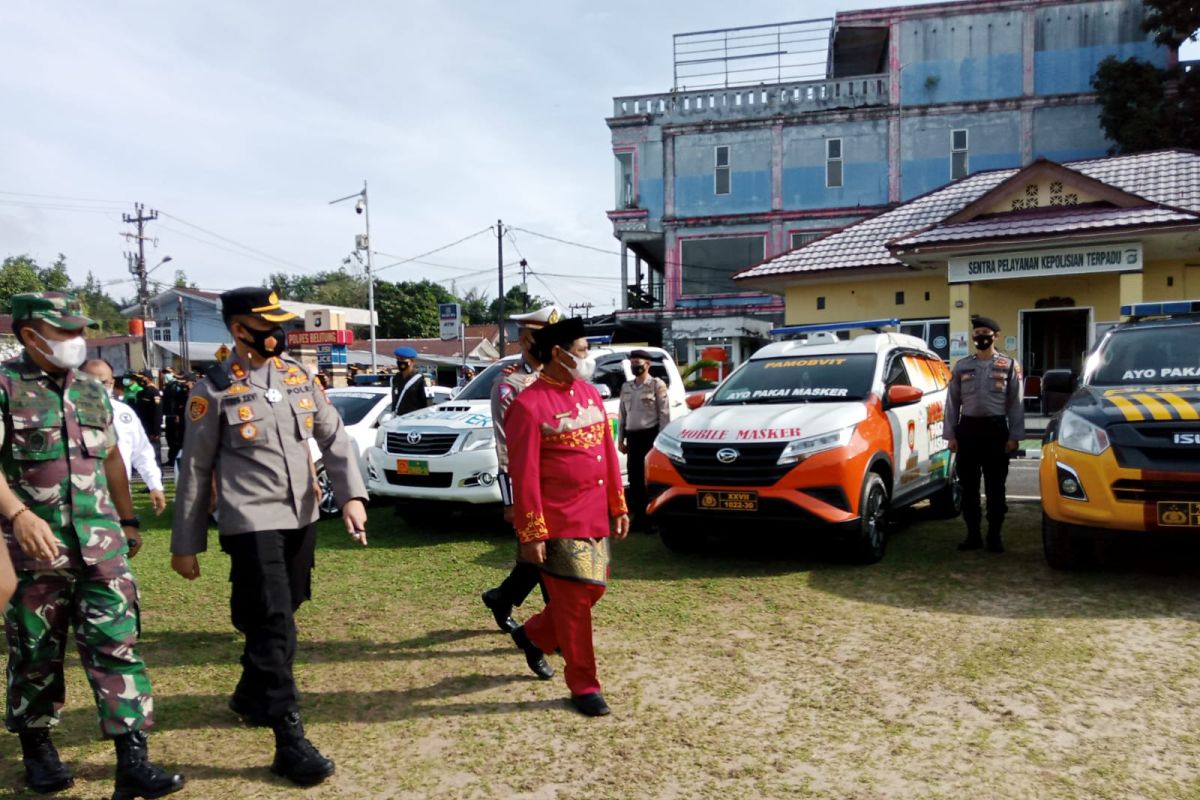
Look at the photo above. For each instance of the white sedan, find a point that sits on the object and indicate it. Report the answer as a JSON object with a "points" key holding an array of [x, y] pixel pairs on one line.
{"points": [[362, 409]]}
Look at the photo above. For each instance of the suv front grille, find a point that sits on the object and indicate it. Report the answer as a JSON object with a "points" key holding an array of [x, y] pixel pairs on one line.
{"points": [[1151, 446], [430, 444], [756, 465], [1149, 491]]}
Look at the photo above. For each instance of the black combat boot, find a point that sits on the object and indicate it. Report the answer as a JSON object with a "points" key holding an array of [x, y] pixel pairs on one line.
{"points": [[973, 541], [136, 775], [295, 757], [994, 545], [44, 771]]}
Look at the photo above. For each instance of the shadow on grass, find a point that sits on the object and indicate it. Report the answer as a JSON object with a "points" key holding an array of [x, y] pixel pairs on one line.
{"points": [[193, 648], [387, 529]]}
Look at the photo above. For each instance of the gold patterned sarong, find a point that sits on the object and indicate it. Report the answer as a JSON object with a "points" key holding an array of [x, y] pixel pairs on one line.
{"points": [[583, 560]]}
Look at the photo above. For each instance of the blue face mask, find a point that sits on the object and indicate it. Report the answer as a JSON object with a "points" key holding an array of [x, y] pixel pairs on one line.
{"points": [[168, 378], [127, 382]]}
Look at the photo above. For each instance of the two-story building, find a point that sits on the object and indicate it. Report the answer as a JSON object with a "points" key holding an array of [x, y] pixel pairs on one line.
{"points": [[716, 176]]}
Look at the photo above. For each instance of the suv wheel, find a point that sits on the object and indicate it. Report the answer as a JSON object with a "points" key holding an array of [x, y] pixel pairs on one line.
{"points": [[947, 503], [870, 540], [1062, 545], [328, 504], [679, 539]]}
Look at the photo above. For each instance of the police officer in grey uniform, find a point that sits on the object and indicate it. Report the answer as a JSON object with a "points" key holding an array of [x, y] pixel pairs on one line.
{"points": [[645, 410], [985, 420], [248, 423], [524, 577]]}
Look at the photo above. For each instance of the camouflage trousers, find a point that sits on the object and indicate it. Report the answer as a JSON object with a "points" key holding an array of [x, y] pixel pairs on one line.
{"points": [[100, 603]]}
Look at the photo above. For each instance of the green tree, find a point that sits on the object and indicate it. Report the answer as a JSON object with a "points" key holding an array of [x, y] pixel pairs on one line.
{"points": [[475, 307], [516, 301], [18, 274], [100, 306], [408, 310], [1144, 107]]}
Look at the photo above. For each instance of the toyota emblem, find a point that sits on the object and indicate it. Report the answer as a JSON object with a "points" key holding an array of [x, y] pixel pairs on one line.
{"points": [[414, 437], [727, 455]]}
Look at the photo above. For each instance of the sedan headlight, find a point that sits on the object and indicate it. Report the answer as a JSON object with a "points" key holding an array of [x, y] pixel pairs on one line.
{"points": [[1076, 433], [479, 440], [801, 449], [670, 447]]}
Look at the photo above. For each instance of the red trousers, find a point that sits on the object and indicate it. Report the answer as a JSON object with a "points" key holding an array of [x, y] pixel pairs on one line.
{"points": [[566, 624]]}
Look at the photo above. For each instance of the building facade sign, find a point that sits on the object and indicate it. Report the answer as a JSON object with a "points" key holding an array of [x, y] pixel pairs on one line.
{"points": [[1118, 257]]}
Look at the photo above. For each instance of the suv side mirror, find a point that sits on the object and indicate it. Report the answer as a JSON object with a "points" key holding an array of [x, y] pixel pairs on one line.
{"points": [[696, 400], [384, 419], [903, 396], [1057, 386]]}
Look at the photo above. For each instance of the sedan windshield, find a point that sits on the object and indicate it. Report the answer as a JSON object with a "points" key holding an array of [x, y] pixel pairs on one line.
{"points": [[806, 379], [1147, 355], [353, 406]]}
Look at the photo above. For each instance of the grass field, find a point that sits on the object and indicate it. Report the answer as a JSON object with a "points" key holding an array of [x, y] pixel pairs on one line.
{"points": [[757, 670]]}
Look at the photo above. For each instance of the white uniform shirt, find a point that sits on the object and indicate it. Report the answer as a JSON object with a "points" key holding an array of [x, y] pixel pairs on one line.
{"points": [[135, 447]]}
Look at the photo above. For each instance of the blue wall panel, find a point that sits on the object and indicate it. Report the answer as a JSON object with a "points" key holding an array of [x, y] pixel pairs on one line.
{"points": [[926, 174], [1077, 154], [863, 184], [750, 192], [989, 78], [651, 197], [1070, 70]]}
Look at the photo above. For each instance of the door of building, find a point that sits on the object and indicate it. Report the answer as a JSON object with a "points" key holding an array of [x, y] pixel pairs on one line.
{"points": [[1054, 338]]}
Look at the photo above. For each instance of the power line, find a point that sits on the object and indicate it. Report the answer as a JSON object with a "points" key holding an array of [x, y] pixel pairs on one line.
{"points": [[248, 248], [435, 250], [67, 197]]}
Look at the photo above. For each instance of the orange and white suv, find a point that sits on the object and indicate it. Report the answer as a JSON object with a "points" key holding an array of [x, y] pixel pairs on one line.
{"points": [[818, 433]]}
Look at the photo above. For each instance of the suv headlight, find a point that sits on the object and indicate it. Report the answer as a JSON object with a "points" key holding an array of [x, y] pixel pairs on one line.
{"points": [[479, 440], [800, 449], [1076, 433], [670, 447], [381, 438]]}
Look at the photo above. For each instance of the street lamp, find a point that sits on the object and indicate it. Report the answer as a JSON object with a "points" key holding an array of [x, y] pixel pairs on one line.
{"points": [[165, 259], [364, 243]]}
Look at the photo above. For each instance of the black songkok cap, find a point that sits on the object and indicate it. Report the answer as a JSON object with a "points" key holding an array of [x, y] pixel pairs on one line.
{"points": [[562, 333], [642, 354], [985, 322]]}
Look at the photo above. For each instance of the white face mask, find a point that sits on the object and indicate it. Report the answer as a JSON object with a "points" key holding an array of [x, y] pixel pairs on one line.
{"points": [[584, 367], [68, 354]]}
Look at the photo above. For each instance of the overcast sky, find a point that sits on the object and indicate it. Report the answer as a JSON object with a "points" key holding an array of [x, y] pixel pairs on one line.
{"points": [[246, 118]]}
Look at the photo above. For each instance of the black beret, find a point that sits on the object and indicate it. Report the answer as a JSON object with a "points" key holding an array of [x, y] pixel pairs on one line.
{"points": [[985, 322], [562, 334], [642, 354]]}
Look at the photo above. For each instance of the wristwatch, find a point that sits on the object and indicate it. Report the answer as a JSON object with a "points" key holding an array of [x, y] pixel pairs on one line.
{"points": [[132, 522]]}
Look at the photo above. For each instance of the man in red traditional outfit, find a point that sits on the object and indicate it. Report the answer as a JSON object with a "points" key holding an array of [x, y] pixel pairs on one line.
{"points": [[567, 500]]}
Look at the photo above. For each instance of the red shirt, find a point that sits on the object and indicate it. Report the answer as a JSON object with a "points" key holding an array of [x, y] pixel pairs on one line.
{"points": [[566, 476]]}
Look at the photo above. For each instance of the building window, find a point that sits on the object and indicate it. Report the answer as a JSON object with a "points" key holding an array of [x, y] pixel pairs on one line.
{"points": [[708, 265], [626, 197], [801, 238], [160, 334], [958, 154], [899, 298], [820, 304], [721, 177], [833, 163]]}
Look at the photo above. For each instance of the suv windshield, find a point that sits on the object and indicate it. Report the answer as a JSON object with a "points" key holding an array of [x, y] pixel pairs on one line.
{"points": [[353, 406], [481, 387], [1147, 355], [799, 379]]}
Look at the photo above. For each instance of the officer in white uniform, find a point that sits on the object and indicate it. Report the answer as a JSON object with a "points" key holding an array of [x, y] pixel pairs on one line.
{"points": [[136, 449]]}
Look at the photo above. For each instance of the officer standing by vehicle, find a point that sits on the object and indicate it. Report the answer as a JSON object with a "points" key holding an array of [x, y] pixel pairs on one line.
{"points": [[985, 389], [645, 410], [69, 525], [408, 384], [524, 576], [248, 422]]}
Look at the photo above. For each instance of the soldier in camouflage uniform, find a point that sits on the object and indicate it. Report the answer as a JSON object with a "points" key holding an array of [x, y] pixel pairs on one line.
{"points": [[69, 526]]}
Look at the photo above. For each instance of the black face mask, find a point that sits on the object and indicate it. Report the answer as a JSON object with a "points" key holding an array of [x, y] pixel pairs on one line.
{"points": [[639, 369], [983, 342], [258, 341]]}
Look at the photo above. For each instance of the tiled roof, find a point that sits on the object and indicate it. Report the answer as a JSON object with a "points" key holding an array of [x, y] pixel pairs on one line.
{"points": [[1169, 177], [425, 347], [1062, 220]]}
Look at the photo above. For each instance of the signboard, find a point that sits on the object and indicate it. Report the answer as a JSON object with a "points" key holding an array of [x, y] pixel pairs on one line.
{"points": [[310, 338], [149, 324], [450, 316], [1124, 257], [222, 353]]}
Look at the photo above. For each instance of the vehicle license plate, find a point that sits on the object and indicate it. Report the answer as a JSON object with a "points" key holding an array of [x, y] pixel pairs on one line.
{"points": [[407, 466], [727, 501], [1179, 514]]}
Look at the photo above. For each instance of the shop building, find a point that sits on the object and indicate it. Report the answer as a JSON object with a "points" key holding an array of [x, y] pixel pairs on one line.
{"points": [[773, 136], [1051, 251]]}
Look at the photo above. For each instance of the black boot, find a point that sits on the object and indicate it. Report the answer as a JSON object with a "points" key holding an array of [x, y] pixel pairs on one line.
{"points": [[972, 542], [534, 657], [136, 775], [295, 757], [994, 545], [44, 772], [251, 714], [501, 610]]}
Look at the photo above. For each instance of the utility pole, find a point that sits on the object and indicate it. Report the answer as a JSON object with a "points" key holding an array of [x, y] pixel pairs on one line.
{"points": [[184, 356], [524, 286], [138, 269], [364, 243], [500, 273]]}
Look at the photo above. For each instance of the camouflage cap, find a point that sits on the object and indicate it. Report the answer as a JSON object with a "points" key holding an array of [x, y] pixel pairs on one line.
{"points": [[57, 308]]}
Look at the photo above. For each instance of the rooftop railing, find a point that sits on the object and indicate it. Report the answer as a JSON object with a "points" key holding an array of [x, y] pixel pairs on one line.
{"points": [[758, 101]]}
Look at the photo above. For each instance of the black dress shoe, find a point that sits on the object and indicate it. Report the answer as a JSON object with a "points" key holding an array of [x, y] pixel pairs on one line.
{"points": [[970, 543], [44, 771], [591, 704], [253, 716], [534, 657], [501, 611]]}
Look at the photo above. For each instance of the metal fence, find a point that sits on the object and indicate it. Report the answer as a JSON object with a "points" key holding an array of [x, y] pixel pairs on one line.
{"points": [[754, 54]]}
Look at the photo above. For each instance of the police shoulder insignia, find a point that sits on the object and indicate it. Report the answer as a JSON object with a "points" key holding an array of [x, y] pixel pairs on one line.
{"points": [[240, 388], [504, 391], [197, 408], [248, 431], [308, 422], [279, 365], [238, 371]]}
